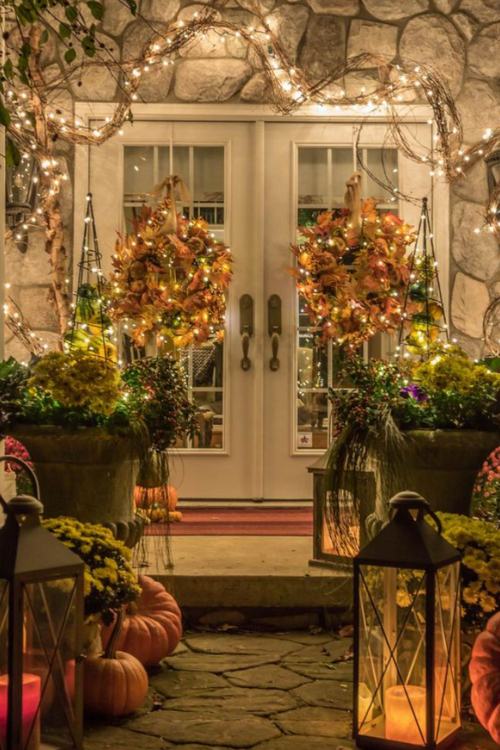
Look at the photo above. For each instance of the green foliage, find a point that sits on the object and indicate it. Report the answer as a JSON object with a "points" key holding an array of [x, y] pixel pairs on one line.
{"points": [[479, 543], [76, 381], [74, 32], [110, 581], [448, 391], [156, 392], [13, 380]]}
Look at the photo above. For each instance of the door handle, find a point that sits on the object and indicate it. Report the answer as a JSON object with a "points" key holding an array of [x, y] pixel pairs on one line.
{"points": [[246, 329], [274, 329]]}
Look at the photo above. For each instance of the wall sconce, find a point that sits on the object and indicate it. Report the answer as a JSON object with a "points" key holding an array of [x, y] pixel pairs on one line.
{"points": [[21, 195], [493, 176]]}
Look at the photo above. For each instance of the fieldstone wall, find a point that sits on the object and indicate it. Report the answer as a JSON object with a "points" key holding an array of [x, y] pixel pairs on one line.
{"points": [[460, 37]]}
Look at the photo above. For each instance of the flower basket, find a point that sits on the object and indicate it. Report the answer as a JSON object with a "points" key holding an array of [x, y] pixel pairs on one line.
{"points": [[86, 473]]}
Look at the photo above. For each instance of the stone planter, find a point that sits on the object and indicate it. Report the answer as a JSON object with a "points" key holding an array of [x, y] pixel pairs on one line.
{"points": [[88, 473], [442, 465]]}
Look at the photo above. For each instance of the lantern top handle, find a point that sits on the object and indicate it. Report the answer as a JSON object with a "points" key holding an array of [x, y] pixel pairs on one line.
{"points": [[407, 500], [24, 505]]}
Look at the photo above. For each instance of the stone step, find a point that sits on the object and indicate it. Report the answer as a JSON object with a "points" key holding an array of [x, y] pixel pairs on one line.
{"points": [[268, 573]]}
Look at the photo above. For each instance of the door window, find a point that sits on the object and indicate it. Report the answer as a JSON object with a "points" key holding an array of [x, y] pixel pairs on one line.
{"points": [[322, 173], [202, 170]]}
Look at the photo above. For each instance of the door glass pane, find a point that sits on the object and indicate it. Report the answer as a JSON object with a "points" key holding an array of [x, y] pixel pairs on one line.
{"points": [[201, 168], [392, 676], [322, 175]]}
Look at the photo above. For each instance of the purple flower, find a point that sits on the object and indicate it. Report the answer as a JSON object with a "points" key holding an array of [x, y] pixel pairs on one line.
{"points": [[414, 391]]}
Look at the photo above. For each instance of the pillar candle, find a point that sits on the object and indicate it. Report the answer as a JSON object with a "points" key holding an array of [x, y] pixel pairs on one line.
{"points": [[400, 724], [31, 691]]}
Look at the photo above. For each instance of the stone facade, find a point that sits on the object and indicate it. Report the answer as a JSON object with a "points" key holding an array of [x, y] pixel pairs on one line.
{"points": [[461, 36]]}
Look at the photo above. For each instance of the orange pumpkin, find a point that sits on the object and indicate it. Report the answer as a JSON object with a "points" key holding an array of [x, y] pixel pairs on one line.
{"points": [[484, 670], [115, 684], [151, 497], [152, 627]]}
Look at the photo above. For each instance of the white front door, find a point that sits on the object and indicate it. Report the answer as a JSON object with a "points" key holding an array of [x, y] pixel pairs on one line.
{"points": [[254, 182]]}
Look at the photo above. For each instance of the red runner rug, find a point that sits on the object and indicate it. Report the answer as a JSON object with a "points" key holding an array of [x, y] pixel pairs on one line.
{"points": [[226, 521]]}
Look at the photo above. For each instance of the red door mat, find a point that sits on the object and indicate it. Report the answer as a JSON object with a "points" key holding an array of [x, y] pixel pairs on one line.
{"points": [[238, 522]]}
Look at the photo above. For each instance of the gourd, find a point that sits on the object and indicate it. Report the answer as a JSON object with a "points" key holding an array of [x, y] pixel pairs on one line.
{"points": [[115, 684], [151, 497], [484, 670], [152, 625]]}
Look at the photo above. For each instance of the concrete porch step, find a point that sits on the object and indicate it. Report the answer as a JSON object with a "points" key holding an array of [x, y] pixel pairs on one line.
{"points": [[247, 571]]}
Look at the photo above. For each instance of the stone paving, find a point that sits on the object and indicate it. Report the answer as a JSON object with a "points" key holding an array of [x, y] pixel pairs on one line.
{"points": [[287, 691]]}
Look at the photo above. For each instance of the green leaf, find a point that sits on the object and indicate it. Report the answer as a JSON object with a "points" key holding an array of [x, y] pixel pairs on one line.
{"points": [[71, 13], [4, 115], [70, 55], [12, 154], [88, 46], [132, 6], [8, 69], [64, 30], [97, 9]]}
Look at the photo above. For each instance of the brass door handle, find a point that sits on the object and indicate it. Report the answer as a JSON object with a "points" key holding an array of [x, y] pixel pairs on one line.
{"points": [[274, 329], [246, 329]]}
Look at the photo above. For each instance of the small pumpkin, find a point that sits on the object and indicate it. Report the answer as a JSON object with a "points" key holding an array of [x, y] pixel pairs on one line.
{"points": [[161, 496], [484, 670], [115, 684], [152, 627]]}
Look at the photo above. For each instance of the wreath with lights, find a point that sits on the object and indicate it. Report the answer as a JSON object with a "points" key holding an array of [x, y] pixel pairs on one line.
{"points": [[170, 279], [352, 272]]}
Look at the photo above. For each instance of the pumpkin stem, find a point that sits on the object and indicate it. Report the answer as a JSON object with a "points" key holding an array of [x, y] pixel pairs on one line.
{"points": [[110, 652]]}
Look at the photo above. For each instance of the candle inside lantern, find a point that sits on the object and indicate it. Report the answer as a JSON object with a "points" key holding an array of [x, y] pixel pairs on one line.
{"points": [[31, 691], [400, 721]]}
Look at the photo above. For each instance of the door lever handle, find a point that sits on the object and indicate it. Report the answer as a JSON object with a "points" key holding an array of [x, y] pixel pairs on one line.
{"points": [[246, 329], [274, 363], [274, 329]]}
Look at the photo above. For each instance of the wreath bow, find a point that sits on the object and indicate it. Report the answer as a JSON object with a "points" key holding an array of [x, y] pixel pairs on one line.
{"points": [[175, 190]]}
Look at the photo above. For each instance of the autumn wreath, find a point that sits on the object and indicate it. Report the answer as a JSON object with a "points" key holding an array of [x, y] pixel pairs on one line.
{"points": [[352, 275], [170, 278]]}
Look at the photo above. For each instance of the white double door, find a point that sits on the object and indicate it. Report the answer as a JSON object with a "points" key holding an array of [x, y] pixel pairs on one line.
{"points": [[254, 181]]}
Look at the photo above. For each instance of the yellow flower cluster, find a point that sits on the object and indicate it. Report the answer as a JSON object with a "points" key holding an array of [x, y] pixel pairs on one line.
{"points": [[78, 380], [109, 578], [479, 542]]}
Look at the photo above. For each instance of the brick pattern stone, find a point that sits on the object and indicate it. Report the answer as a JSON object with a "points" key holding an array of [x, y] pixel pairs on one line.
{"points": [[465, 34]]}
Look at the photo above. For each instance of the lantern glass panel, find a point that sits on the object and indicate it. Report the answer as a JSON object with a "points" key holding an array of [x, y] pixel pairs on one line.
{"points": [[49, 651], [4, 624], [392, 654], [447, 651]]}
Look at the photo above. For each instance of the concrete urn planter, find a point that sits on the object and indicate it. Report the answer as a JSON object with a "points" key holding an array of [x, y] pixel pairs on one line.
{"points": [[87, 473], [442, 466]]}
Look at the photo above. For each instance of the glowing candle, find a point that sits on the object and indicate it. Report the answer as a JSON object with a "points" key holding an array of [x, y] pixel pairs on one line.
{"points": [[400, 723], [30, 702]]}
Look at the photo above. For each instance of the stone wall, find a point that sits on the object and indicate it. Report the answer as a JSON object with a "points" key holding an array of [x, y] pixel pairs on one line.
{"points": [[460, 37]]}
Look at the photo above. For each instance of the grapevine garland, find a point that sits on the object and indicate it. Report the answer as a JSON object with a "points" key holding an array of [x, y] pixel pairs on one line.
{"points": [[353, 281], [170, 279]]}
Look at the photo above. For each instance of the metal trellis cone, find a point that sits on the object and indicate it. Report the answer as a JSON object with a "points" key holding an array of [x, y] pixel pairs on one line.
{"points": [[423, 319], [90, 330]]}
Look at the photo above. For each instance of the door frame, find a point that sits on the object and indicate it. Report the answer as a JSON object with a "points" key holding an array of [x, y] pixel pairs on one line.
{"points": [[90, 113]]}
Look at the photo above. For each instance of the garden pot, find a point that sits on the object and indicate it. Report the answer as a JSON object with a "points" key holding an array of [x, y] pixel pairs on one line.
{"points": [[88, 473], [442, 465]]}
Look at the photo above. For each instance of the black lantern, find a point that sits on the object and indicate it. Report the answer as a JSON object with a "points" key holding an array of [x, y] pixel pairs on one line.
{"points": [[21, 194], [407, 633], [41, 616]]}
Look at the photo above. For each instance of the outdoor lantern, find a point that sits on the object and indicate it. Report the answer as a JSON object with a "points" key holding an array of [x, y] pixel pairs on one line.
{"points": [[21, 194], [336, 543], [407, 633], [41, 618]]}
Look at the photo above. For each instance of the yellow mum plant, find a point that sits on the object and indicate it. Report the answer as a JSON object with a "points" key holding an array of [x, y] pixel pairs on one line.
{"points": [[110, 580]]}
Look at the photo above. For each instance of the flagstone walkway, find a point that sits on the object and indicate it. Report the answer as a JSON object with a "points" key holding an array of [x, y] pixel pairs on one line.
{"points": [[287, 691]]}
